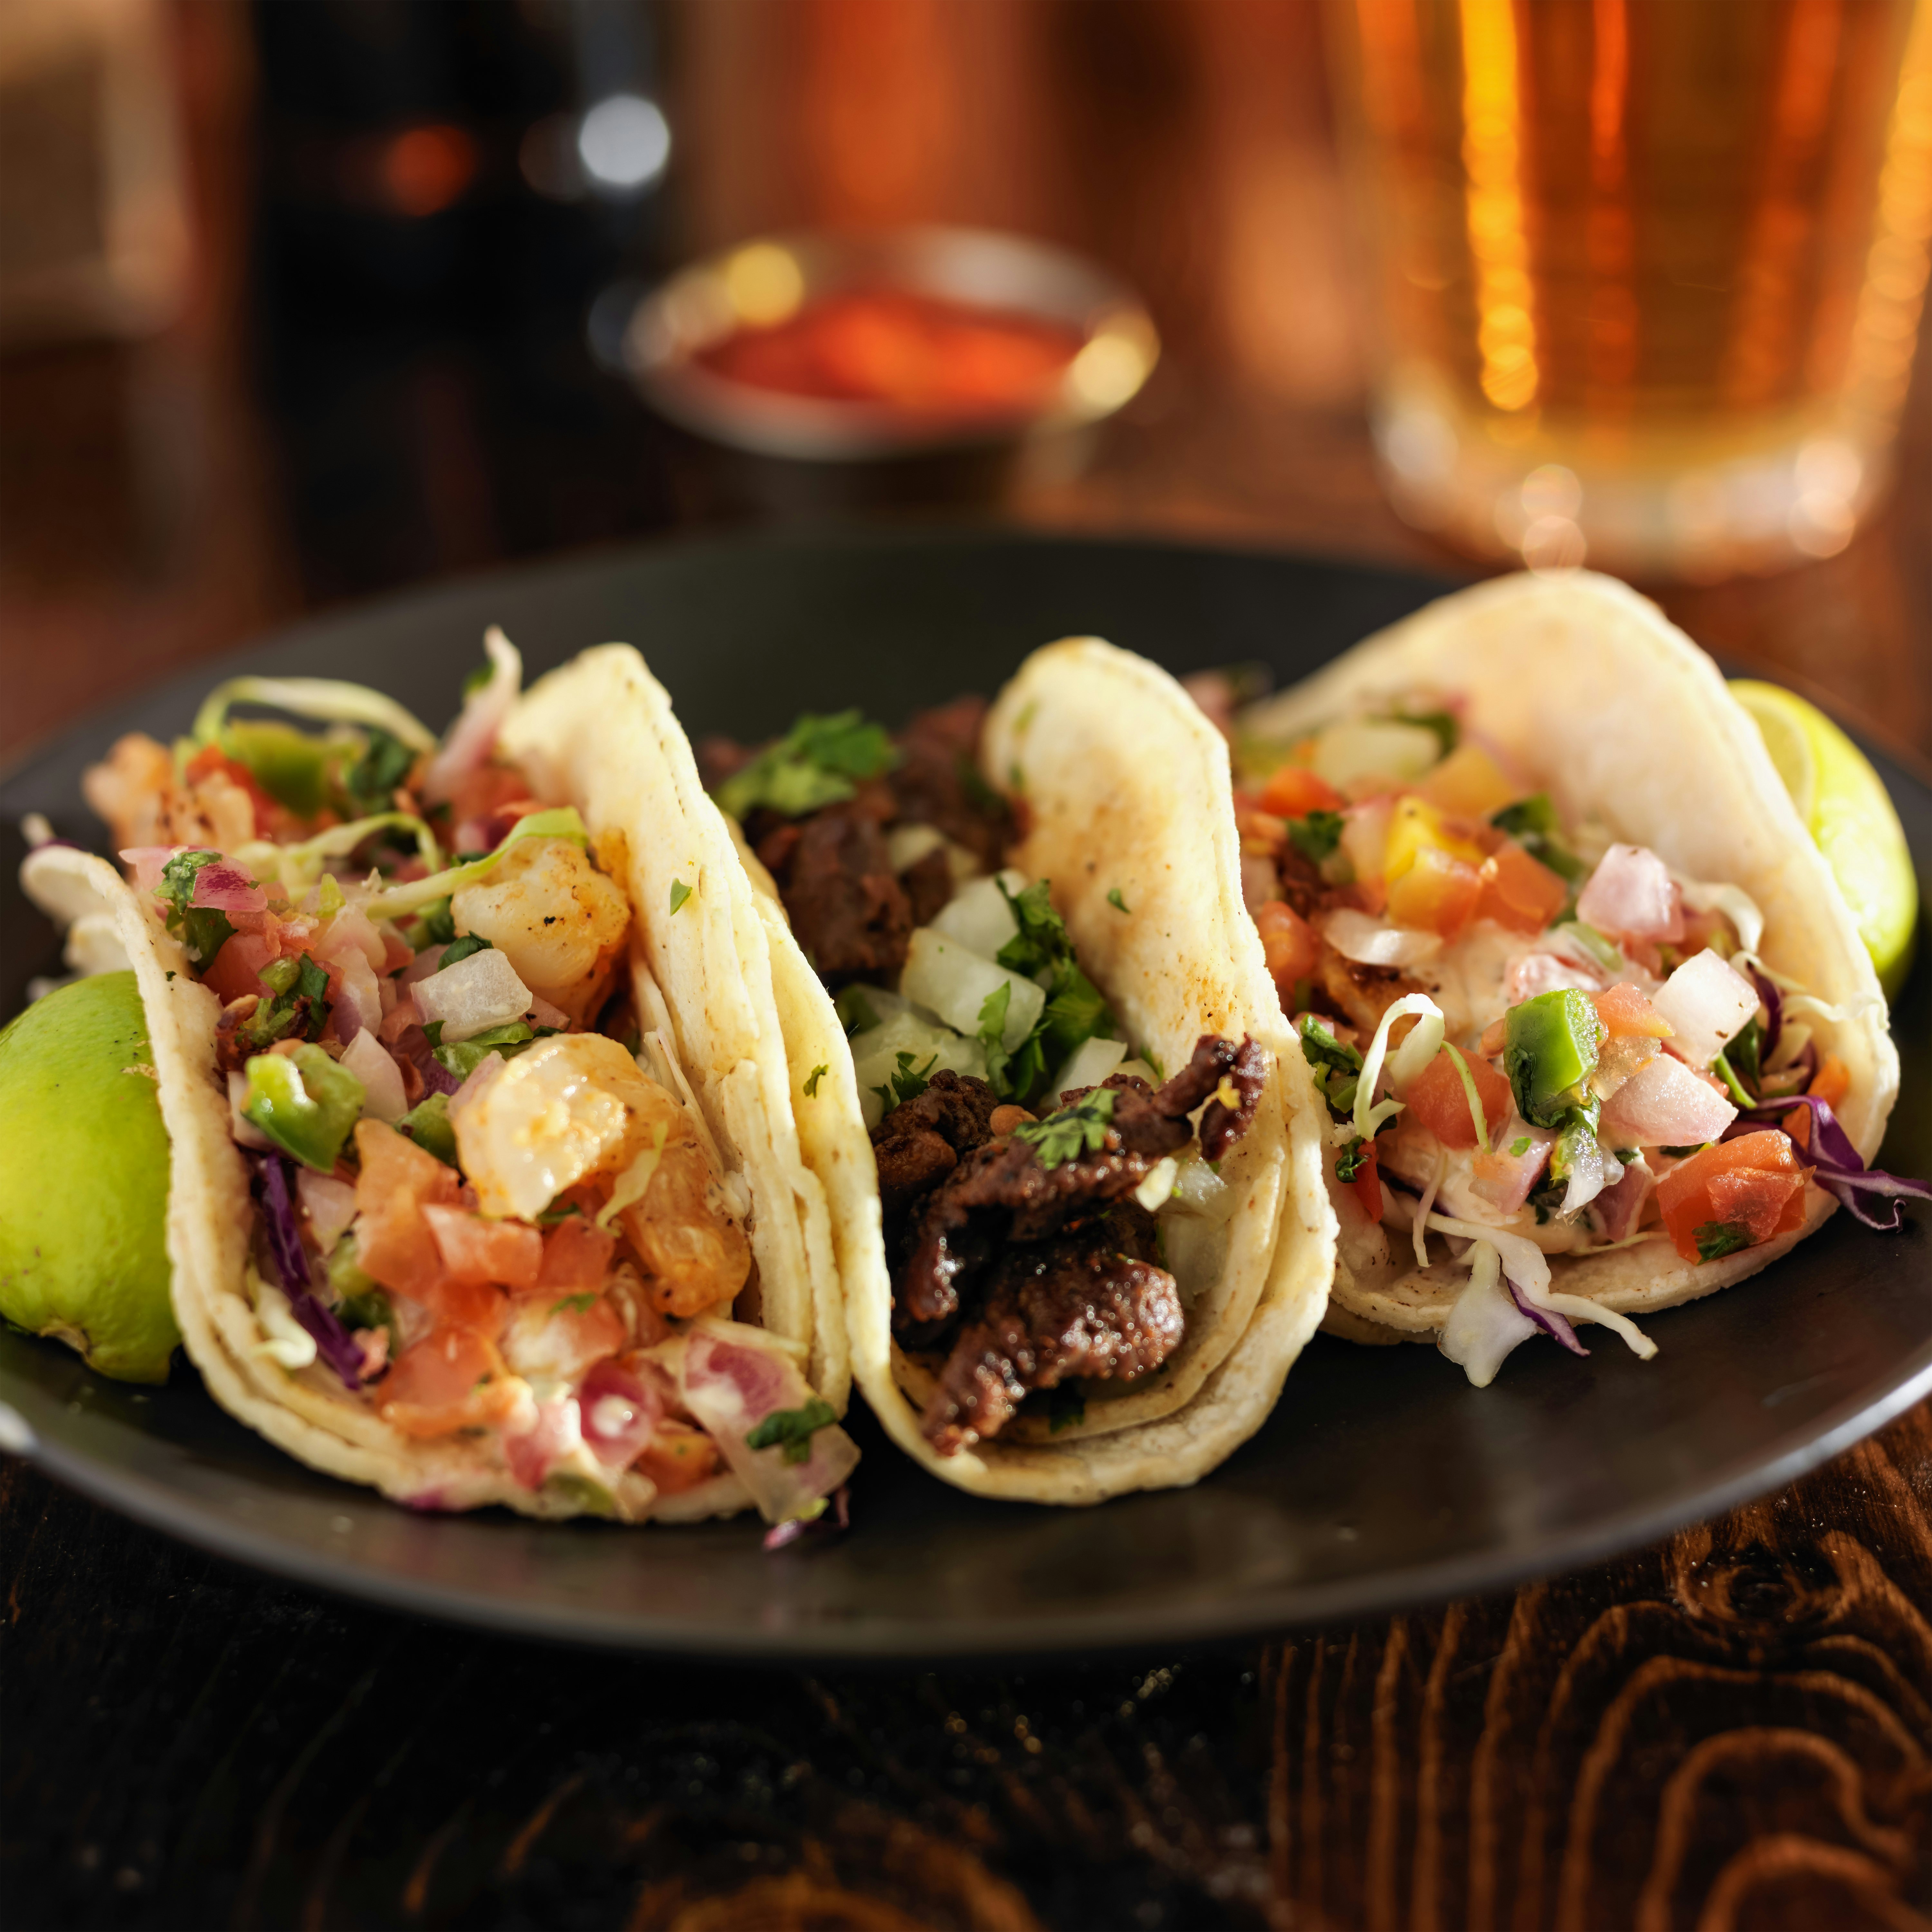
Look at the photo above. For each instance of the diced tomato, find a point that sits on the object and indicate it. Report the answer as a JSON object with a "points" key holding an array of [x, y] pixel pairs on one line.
{"points": [[1437, 893], [1627, 1015], [679, 1457], [1755, 1183], [1290, 945], [477, 1305], [576, 1257], [1368, 1184], [508, 1252], [1293, 791], [1831, 1083], [394, 1244], [559, 1337], [449, 1380], [1470, 782], [236, 969], [1438, 1101], [1518, 892]]}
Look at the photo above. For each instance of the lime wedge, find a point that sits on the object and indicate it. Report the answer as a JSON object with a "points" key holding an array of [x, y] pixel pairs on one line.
{"points": [[1845, 807]]}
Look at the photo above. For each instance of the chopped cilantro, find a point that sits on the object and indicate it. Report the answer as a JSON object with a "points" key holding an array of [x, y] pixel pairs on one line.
{"points": [[434, 925], [1717, 1238], [1114, 900], [818, 1073], [462, 1057], [791, 1429], [577, 1304], [1681, 1152], [297, 1005], [1628, 1156], [1316, 836], [1519, 1147], [1075, 1010], [817, 762], [1349, 1161], [679, 892], [1337, 1067], [371, 780], [1531, 822], [475, 680], [1721, 1066], [461, 948], [1070, 1131], [427, 1124], [1743, 1051], [202, 930], [907, 1083], [1448, 732], [1041, 940], [1066, 1407]]}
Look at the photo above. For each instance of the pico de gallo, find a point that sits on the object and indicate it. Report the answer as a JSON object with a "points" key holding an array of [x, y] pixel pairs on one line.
{"points": [[1533, 1040], [486, 1201]]}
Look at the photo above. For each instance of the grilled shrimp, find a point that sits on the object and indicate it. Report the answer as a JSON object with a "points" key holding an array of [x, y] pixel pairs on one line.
{"points": [[559, 921], [137, 792], [695, 1255]]}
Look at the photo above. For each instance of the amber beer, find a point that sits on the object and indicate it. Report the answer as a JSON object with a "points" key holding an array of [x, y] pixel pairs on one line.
{"points": [[1650, 271]]}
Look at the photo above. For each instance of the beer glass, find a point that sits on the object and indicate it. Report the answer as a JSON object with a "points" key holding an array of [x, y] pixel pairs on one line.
{"points": [[1649, 272]]}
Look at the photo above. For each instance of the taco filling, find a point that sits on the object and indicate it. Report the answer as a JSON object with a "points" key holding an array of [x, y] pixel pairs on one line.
{"points": [[484, 1200], [1030, 1166], [1533, 1040]]}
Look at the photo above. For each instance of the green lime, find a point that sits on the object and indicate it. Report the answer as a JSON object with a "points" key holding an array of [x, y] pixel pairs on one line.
{"points": [[84, 1180], [1844, 805]]}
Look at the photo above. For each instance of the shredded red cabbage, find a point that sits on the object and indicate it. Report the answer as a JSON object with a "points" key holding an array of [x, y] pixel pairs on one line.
{"points": [[1838, 1169], [838, 1516], [333, 1342], [1555, 1326], [1773, 1010]]}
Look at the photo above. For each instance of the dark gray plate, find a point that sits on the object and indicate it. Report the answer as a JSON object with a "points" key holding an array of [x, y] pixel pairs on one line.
{"points": [[1383, 1478]]}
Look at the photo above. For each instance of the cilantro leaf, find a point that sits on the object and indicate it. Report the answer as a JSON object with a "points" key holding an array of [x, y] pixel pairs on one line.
{"points": [[577, 1304], [1076, 1010], [1743, 1052], [679, 892], [818, 1073], [371, 780], [1448, 732], [1041, 940], [1070, 1131], [1337, 1067], [1716, 1238], [1531, 822], [1114, 900], [202, 930], [1349, 1162], [907, 1083], [792, 1430], [461, 948], [817, 762], [297, 1007], [434, 925], [1066, 1407], [462, 1057], [1519, 1147], [1316, 835], [855, 1011]]}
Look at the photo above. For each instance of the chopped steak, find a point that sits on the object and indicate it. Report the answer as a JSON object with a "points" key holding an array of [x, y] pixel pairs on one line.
{"points": [[1027, 1274], [937, 780], [929, 886], [919, 1142], [1080, 1306], [851, 914]]}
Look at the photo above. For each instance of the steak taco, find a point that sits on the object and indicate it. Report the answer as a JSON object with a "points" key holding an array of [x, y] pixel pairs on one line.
{"points": [[1073, 1158], [484, 1184], [1596, 1030]]}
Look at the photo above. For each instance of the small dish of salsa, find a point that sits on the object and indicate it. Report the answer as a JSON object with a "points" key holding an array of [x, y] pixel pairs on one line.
{"points": [[836, 348]]}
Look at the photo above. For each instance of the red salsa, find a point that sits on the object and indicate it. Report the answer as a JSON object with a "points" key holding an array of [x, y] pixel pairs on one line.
{"points": [[922, 354]]}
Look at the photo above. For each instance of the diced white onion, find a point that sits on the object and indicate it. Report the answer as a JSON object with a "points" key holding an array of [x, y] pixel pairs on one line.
{"points": [[979, 918], [1152, 1193], [941, 974], [1373, 942], [907, 844], [473, 996], [875, 1056], [369, 1060], [245, 1133], [1141, 1070], [1375, 747], [1664, 1104], [1706, 1001], [1088, 1064], [1199, 1190]]}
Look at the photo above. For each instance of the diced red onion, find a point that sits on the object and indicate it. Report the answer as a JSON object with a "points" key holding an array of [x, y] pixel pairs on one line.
{"points": [[1374, 942], [147, 863], [473, 996], [1706, 1001], [428, 960], [222, 887], [837, 1516], [1664, 1104], [371, 1063], [620, 1414], [1503, 1179], [329, 1204], [1537, 973], [1631, 893], [534, 1453], [1621, 1206]]}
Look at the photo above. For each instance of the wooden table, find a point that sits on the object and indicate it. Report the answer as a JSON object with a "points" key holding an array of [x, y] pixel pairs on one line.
{"points": [[1734, 1729]]}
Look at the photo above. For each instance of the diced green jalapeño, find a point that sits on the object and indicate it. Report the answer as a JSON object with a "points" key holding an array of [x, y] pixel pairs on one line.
{"points": [[304, 1102], [1549, 1053]]}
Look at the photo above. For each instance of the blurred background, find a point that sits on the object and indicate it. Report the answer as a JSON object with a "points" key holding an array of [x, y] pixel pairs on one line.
{"points": [[304, 300]]}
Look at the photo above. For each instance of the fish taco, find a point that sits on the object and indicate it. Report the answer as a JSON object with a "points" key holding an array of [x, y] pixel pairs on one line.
{"points": [[484, 1184], [1596, 1029], [1073, 1157]]}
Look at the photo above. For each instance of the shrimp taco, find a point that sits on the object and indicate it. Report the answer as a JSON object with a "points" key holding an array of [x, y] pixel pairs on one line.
{"points": [[1073, 1157], [484, 1184], [1596, 1029]]}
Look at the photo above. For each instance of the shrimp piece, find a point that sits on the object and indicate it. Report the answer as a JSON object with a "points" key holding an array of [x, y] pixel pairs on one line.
{"points": [[559, 921], [694, 1254], [136, 792]]}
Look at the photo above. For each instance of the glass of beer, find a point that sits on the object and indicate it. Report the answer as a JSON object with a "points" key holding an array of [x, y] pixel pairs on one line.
{"points": [[1649, 272]]}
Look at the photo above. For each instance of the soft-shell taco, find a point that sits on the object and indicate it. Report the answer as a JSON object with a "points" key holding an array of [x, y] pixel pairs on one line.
{"points": [[1073, 1156], [485, 1188], [1596, 1028]]}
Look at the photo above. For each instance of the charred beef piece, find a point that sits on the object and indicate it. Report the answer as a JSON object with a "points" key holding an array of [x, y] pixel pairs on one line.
{"points": [[929, 886], [851, 914], [937, 780], [920, 1142], [1028, 1274], [1086, 1304]]}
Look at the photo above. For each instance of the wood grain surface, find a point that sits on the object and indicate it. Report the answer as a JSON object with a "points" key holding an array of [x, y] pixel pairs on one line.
{"points": [[1732, 1730]]}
